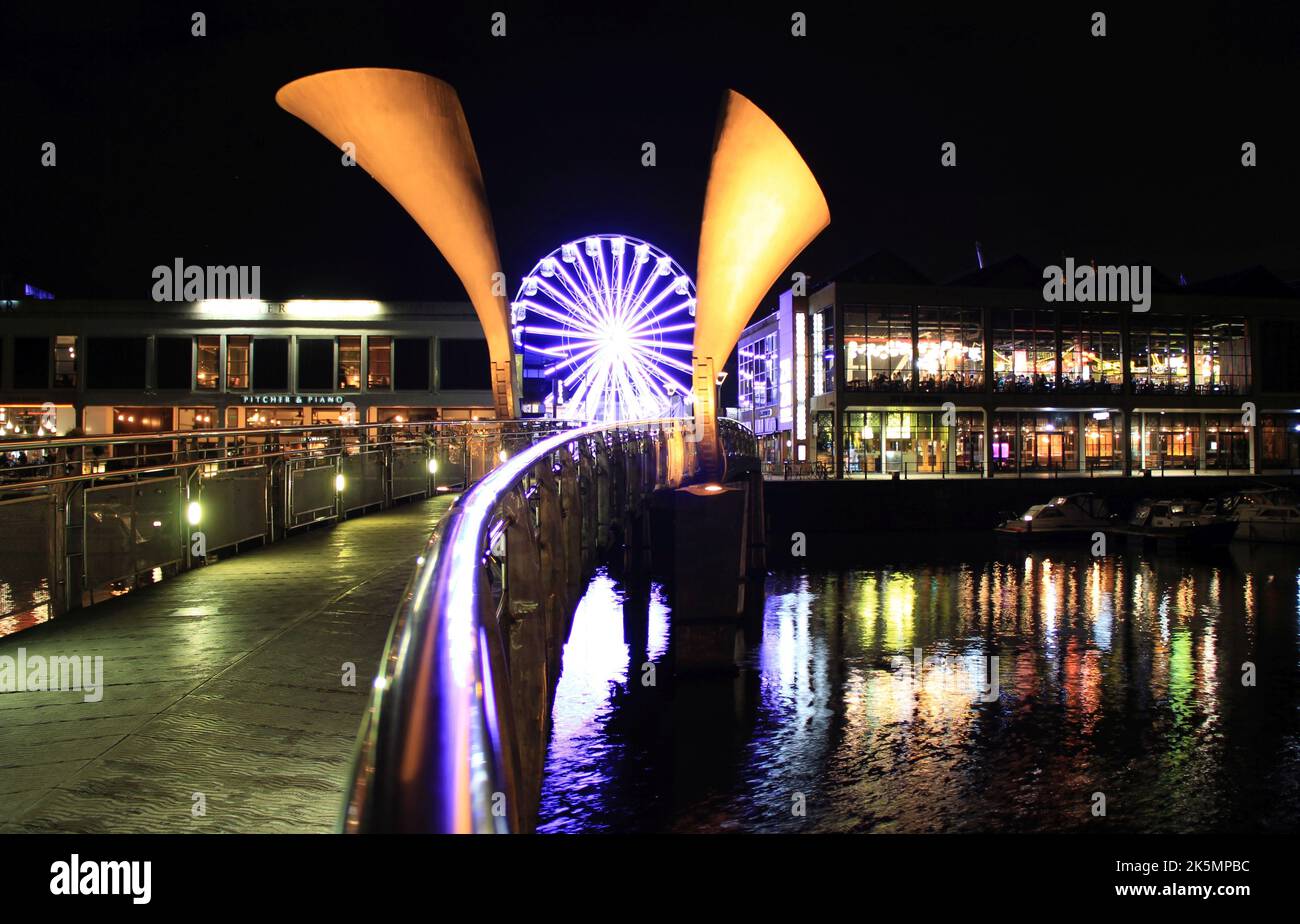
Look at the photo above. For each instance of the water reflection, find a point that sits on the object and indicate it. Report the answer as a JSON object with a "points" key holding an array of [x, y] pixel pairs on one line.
{"points": [[590, 750], [1120, 675], [23, 604]]}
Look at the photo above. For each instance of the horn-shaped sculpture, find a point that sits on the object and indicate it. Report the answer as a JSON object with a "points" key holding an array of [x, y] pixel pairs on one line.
{"points": [[762, 208], [410, 134]]}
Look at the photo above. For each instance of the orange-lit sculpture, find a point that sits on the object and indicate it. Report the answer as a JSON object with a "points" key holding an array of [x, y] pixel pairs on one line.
{"points": [[410, 134], [762, 208]]}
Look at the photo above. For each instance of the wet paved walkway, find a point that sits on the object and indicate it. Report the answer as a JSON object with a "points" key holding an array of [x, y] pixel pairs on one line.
{"points": [[225, 681]]}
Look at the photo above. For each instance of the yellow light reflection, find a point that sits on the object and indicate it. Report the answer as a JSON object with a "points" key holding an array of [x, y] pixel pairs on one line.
{"points": [[899, 600]]}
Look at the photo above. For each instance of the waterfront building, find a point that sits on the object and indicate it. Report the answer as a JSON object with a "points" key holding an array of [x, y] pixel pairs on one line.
{"points": [[112, 367], [880, 372]]}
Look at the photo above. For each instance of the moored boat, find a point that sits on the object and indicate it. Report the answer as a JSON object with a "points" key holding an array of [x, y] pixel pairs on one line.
{"points": [[1064, 516], [1180, 521], [1268, 514]]}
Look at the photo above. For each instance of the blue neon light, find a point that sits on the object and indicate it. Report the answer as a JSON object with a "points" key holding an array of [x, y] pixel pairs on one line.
{"points": [[611, 319]]}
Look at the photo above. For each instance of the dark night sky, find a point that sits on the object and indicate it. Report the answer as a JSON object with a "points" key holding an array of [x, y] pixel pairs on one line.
{"points": [[1126, 149]]}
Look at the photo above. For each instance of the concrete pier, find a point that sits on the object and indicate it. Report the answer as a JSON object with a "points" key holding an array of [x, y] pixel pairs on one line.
{"points": [[710, 566]]}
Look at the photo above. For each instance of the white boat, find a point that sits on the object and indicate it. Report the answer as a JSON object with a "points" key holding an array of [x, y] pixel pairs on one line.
{"points": [[1183, 521], [1266, 515], [1063, 516]]}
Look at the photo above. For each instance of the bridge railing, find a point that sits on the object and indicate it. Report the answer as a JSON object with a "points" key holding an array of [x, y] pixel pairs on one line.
{"points": [[84, 517], [455, 735]]}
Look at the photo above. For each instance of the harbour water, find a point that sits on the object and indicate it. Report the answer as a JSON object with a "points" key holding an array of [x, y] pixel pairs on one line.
{"points": [[1134, 693]]}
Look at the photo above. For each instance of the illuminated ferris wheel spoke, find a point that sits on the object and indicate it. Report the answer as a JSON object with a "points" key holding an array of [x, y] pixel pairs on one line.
{"points": [[657, 380], [674, 386], [593, 288], [538, 329], [673, 328], [603, 302], [650, 306], [546, 351], [618, 274], [580, 341], [626, 299], [573, 298], [590, 356], [642, 294], [575, 289], [617, 298], [547, 312], [606, 292], [657, 322], [595, 387], [574, 305], [671, 361], [645, 383], [657, 365]]}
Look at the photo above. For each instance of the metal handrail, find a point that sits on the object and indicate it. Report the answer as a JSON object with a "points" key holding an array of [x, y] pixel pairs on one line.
{"points": [[426, 456], [167, 436], [69, 451], [436, 751]]}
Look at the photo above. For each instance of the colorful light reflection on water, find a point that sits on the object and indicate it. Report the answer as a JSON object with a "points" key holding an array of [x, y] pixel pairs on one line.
{"points": [[23, 604], [1119, 675]]}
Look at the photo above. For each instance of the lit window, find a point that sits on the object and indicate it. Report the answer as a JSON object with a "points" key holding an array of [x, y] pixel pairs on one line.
{"points": [[877, 348], [349, 364], [65, 362], [208, 375], [237, 356], [1090, 352], [379, 363], [949, 350], [1158, 360], [1221, 351], [1024, 350]]}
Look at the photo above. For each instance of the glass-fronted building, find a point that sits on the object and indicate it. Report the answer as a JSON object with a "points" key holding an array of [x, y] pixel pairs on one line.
{"points": [[110, 367], [758, 363], [982, 377]]}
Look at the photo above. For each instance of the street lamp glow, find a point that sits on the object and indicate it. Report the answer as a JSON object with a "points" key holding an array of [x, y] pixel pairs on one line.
{"points": [[433, 466], [194, 513], [338, 482]]}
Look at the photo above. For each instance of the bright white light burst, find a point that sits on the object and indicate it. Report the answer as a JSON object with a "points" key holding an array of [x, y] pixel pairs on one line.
{"points": [[610, 318]]}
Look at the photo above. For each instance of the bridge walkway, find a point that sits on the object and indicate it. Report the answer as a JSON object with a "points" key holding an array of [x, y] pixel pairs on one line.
{"points": [[223, 690]]}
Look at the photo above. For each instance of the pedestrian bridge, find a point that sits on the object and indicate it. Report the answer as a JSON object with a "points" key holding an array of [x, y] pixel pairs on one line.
{"points": [[455, 731], [242, 643]]}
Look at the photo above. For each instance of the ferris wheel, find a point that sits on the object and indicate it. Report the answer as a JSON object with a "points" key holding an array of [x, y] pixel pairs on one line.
{"points": [[609, 320]]}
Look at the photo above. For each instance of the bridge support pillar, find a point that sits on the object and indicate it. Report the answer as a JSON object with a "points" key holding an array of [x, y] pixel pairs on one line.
{"points": [[526, 626], [710, 565], [755, 556]]}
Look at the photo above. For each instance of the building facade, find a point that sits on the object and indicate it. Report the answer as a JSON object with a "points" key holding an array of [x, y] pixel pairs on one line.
{"points": [[111, 367], [894, 376]]}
